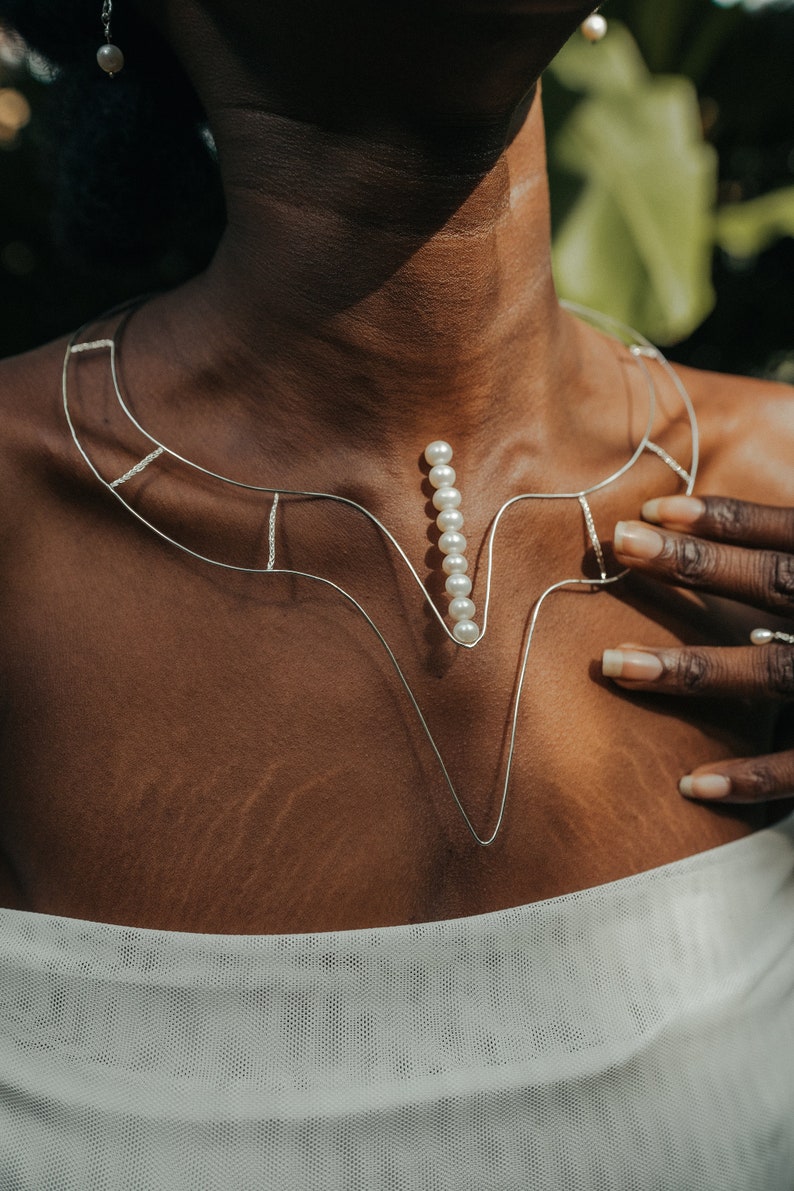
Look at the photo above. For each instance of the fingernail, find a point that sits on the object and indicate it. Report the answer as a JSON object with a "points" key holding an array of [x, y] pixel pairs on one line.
{"points": [[631, 665], [637, 540], [705, 785], [677, 510]]}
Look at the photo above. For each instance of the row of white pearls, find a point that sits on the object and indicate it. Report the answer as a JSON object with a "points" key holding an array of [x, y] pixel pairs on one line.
{"points": [[452, 543]]}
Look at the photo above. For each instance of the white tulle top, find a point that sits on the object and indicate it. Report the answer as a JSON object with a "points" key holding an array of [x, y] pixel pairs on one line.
{"points": [[637, 1036]]}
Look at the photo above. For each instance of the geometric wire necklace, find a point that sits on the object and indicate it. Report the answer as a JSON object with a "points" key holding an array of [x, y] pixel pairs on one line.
{"points": [[640, 349]]}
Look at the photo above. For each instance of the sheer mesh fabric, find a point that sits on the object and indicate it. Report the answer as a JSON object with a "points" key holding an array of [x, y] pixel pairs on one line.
{"points": [[637, 1036]]}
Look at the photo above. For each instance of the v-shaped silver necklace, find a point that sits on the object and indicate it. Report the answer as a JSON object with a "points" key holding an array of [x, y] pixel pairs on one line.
{"points": [[470, 638]]}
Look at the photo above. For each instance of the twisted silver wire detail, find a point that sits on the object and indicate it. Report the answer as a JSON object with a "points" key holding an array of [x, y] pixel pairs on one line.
{"points": [[672, 463], [594, 538], [138, 468], [271, 534]]}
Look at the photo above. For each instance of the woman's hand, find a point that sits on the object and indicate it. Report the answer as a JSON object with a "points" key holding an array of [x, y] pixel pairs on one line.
{"points": [[729, 548]]}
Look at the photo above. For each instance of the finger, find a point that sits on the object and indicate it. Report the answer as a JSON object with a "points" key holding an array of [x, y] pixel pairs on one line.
{"points": [[745, 671], [757, 779], [764, 578], [723, 519]]}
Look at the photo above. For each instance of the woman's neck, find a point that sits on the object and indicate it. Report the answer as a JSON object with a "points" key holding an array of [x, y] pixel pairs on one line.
{"points": [[378, 294]]}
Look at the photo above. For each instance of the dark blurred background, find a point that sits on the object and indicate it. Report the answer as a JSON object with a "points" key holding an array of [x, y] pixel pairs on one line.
{"points": [[671, 150]]}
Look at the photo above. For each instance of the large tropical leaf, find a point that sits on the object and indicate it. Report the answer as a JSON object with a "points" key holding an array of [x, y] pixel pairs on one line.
{"points": [[637, 243], [745, 229]]}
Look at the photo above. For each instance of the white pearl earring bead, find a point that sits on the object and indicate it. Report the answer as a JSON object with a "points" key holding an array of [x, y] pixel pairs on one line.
{"points": [[594, 27], [446, 498], [454, 564], [442, 475], [449, 519], [452, 543], [110, 58], [466, 631], [437, 452], [457, 585], [765, 636], [462, 608]]}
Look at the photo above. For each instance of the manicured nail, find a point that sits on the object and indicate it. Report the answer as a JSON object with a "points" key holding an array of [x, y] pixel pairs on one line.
{"points": [[674, 510], [637, 540], [705, 785], [630, 665]]}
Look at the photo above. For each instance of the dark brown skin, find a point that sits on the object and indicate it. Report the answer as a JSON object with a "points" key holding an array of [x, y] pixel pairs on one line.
{"points": [[191, 749]]}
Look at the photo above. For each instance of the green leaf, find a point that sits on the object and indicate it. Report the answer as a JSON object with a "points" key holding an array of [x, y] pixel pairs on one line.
{"points": [[637, 243], [612, 66], [745, 229]]}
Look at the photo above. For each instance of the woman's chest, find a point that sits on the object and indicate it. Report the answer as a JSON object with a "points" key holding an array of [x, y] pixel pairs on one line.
{"points": [[178, 754]]}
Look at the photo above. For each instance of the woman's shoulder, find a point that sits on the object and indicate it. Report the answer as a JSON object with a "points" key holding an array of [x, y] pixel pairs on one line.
{"points": [[33, 438], [746, 435], [30, 391]]}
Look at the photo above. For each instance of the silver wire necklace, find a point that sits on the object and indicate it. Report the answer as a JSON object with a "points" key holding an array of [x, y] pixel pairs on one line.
{"points": [[438, 454]]}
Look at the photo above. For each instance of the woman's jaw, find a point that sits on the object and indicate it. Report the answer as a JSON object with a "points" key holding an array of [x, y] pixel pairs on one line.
{"points": [[433, 72]]}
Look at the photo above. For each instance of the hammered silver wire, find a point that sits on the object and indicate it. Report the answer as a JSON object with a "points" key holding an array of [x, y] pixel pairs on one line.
{"points": [[641, 348]]}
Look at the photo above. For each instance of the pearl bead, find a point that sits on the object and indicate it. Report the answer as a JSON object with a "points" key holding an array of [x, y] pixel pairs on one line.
{"points": [[462, 609], [452, 543], [466, 631], [449, 519], [594, 27], [458, 585], [761, 636], [446, 498], [454, 564], [442, 476], [110, 58], [438, 451]]}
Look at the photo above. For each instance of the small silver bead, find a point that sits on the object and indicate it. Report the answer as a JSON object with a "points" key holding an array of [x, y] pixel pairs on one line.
{"points": [[110, 58]]}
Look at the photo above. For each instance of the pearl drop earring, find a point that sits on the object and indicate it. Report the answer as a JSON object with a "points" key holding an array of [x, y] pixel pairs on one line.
{"points": [[109, 56], [452, 543], [594, 27], [766, 636]]}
